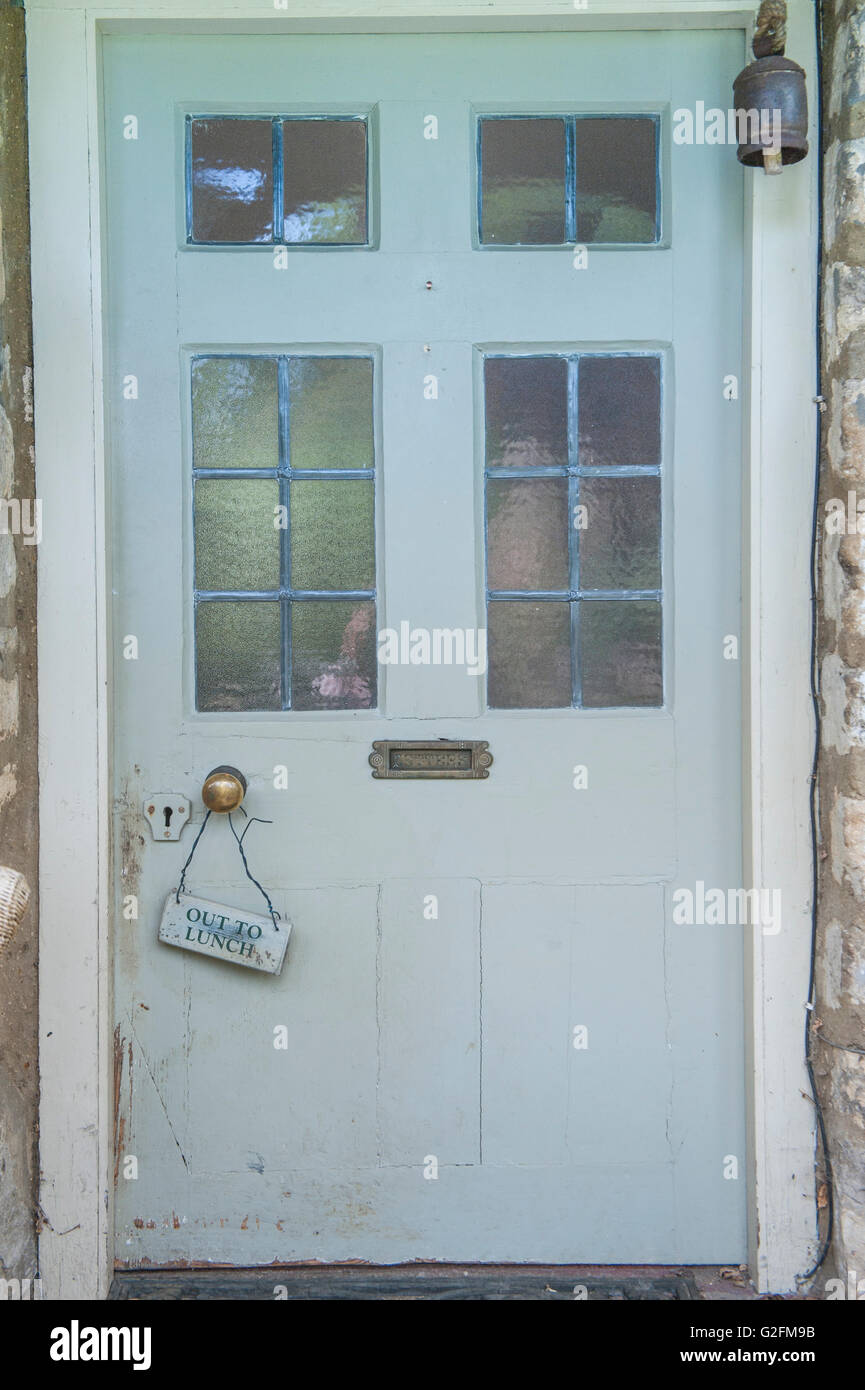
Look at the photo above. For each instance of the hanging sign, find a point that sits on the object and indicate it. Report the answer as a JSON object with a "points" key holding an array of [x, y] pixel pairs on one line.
{"points": [[228, 933]]}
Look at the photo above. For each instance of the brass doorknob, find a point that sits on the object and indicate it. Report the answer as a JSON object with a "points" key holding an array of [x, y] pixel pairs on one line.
{"points": [[224, 789]]}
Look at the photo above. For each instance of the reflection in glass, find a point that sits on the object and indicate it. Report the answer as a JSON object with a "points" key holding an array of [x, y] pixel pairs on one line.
{"points": [[330, 412], [241, 546], [324, 180], [619, 411], [616, 174], [620, 544], [529, 655], [232, 180], [526, 412], [523, 181], [333, 655], [238, 656], [527, 533], [620, 652], [235, 420]]}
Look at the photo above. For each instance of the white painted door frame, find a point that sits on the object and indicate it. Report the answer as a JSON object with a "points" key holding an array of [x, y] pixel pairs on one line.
{"points": [[75, 643]]}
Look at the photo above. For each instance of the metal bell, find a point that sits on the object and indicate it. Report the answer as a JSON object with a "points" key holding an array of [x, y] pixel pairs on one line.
{"points": [[771, 103], [770, 97]]}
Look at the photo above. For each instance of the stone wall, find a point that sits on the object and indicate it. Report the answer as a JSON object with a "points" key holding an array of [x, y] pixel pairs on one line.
{"points": [[840, 1006], [18, 780]]}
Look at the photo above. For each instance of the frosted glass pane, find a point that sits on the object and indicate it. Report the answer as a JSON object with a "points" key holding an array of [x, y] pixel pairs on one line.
{"points": [[324, 181], [617, 180], [526, 412], [330, 412], [620, 546], [529, 655], [620, 652], [333, 655], [527, 533], [232, 180], [238, 661], [235, 418], [236, 542], [523, 181], [620, 411], [332, 534]]}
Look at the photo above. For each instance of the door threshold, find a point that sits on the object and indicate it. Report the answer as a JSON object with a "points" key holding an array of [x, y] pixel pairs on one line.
{"points": [[426, 1282]]}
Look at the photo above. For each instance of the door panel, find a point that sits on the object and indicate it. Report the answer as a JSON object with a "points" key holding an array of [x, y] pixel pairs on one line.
{"points": [[432, 1099]]}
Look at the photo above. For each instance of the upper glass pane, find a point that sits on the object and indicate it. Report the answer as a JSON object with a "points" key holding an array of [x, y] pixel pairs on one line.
{"points": [[293, 181], [232, 180], [559, 180], [324, 182], [616, 179], [523, 181]]}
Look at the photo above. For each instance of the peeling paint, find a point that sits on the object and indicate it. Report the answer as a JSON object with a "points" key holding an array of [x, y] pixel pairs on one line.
{"points": [[8, 784], [831, 964], [8, 706], [119, 1125], [131, 836], [7, 455]]}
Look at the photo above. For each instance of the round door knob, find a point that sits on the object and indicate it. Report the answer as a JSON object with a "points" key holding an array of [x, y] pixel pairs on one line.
{"points": [[224, 789]]}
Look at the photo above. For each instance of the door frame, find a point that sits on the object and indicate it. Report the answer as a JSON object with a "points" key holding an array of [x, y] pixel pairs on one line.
{"points": [[77, 1048]]}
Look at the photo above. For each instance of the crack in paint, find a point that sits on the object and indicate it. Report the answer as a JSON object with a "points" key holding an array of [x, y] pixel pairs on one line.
{"points": [[159, 1097]]}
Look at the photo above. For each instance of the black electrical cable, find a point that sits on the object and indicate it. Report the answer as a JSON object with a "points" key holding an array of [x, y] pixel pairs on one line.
{"points": [[240, 838], [815, 684], [182, 882]]}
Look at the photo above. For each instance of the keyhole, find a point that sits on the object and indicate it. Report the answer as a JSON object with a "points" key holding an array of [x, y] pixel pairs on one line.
{"points": [[168, 813]]}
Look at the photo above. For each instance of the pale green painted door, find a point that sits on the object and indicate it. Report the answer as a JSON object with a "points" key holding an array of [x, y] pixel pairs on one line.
{"points": [[490, 1039]]}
